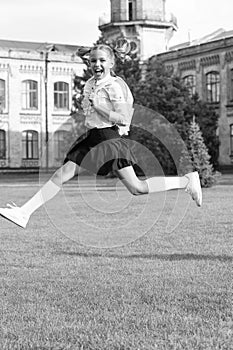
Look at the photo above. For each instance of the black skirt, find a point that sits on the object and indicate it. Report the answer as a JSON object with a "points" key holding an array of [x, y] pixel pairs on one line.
{"points": [[101, 151]]}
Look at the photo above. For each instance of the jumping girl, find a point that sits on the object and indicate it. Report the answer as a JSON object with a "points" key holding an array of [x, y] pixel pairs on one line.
{"points": [[108, 107]]}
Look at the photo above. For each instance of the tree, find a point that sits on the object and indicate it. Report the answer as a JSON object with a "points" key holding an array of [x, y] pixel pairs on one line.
{"points": [[198, 154], [165, 93], [207, 119]]}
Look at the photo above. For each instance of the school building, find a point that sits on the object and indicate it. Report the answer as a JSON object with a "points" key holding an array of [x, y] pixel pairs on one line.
{"points": [[36, 89], [206, 67], [36, 82]]}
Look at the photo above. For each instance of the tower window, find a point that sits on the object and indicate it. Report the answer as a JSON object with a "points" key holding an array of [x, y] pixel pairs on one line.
{"points": [[131, 10]]}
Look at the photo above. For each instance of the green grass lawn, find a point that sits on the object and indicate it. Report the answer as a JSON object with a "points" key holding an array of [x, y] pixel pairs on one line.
{"points": [[160, 291]]}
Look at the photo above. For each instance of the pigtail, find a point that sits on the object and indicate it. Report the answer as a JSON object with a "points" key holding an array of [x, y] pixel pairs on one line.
{"points": [[84, 53], [122, 50]]}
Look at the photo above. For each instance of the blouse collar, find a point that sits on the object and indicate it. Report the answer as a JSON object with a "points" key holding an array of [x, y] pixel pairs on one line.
{"points": [[101, 81]]}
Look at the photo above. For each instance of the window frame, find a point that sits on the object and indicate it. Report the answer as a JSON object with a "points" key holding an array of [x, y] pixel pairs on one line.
{"points": [[190, 86], [30, 146], [212, 87], [2, 143], [230, 95], [3, 89], [61, 95], [29, 95], [59, 149], [231, 139]]}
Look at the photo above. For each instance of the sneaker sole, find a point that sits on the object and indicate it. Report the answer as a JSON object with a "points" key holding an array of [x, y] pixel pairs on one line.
{"points": [[13, 219]]}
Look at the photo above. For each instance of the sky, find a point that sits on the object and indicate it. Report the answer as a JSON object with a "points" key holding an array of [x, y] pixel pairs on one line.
{"points": [[76, 21]]}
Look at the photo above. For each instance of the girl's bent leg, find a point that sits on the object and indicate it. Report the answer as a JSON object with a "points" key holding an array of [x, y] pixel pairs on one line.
{"points": [[154, 184], [190, 182]]}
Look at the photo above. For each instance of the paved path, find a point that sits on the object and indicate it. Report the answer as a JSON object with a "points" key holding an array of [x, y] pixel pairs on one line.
{"points": [[23, 180], [225, 179], [27, 180]]}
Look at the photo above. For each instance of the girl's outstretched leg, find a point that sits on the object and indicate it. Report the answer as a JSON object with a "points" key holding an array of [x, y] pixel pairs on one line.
{"points": [[190, 182], [21, 215]]}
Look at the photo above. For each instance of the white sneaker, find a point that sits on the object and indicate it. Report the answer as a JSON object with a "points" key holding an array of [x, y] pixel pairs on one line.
{"points": [[15, 214], [194, 187]]}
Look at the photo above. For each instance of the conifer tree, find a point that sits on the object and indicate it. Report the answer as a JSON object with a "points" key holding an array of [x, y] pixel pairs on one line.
{"points": [[199, 156]]}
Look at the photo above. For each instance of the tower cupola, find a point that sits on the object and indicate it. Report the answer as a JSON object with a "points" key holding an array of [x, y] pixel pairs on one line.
{"points": [[144, 22]]}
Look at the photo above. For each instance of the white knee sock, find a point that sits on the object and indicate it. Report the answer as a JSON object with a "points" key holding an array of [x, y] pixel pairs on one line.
{"points": [[160, 183], [47, 192]]}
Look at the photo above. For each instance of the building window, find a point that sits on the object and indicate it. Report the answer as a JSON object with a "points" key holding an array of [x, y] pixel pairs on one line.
{"points": [[30, 144], [2, 144], [61, 95], [29, 94], [131, 10], [61, 142], [2, 94], [231, 139], [212, 87], [190, 83], [231, 86]]}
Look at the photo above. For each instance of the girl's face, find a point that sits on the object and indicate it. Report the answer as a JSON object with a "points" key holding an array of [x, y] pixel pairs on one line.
{"points": [[101, 63]]}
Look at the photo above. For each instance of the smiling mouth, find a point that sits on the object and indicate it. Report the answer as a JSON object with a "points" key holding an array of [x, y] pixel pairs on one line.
{"points": [[98, 71]]}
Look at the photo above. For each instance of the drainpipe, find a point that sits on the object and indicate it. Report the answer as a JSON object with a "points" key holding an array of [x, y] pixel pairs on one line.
{"points": [[49, 48]]}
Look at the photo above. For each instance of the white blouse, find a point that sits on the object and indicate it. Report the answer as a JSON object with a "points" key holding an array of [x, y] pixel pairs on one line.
{"points": [[114, 94]]}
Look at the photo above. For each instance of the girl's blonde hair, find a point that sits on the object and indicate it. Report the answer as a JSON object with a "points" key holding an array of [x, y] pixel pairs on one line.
{"points": [[121, 51]]}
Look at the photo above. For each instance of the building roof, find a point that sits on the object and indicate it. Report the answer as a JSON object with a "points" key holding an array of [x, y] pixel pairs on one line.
{"points": [[36, 46], [216, 35]]}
